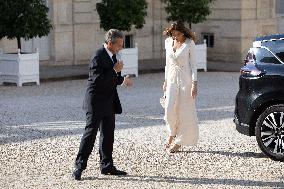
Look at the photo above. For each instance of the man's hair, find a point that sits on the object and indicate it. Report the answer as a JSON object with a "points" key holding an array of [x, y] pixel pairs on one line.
{"points": [[112, 34]]}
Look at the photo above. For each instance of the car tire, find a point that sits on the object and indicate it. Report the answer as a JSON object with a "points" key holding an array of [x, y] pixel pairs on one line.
{"points": [[269, 132]]}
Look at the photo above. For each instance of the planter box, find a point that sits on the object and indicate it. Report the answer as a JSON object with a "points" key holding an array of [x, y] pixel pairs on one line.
{"points": [[19, 68], [201, 56], [129, 57]]}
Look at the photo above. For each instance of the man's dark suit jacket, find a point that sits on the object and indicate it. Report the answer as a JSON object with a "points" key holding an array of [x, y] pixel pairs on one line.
{"points": [[101, 97]]}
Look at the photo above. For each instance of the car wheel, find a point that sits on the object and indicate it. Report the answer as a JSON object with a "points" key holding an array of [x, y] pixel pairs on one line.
{"points": [[269, 132]]}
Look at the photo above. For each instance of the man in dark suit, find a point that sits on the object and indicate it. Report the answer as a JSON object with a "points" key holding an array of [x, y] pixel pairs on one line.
{"points": [[101, 103]]}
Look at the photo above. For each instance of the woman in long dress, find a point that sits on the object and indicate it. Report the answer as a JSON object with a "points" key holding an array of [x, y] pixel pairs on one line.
{"points": [[180, 87]]}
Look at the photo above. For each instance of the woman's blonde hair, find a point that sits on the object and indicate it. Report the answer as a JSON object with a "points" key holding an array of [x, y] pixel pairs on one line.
{"points": [[179, 26]]}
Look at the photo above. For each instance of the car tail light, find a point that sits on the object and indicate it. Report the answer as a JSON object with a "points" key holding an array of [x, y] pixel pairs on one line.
{"points": [[250, 70], [254, 73]]}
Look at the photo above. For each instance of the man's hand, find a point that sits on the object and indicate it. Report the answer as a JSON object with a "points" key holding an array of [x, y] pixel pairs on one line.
{"points": [[118, 66], [127, 81]]}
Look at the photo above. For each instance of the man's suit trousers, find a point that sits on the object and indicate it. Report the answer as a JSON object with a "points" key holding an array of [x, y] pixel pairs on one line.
{"points": [[107, 126]]}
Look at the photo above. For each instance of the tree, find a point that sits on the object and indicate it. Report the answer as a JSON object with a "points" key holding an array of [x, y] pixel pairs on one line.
{"points": [[23, 19], [189, 11], [122, 14]]}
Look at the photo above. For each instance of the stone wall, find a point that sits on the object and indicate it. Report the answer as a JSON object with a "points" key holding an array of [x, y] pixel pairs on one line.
{"points": [[235, 23], [77, 32], [258, 18], [225, 23]]}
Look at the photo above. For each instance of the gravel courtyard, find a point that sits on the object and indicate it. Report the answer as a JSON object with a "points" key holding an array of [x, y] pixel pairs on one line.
{"points": [[41, 127]]}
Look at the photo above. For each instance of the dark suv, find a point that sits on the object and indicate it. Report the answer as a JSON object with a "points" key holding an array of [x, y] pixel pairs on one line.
{"points": [[259, 106]]}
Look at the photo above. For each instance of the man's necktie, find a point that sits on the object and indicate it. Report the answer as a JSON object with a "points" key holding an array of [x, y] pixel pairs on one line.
{"points": [[114, 59]]}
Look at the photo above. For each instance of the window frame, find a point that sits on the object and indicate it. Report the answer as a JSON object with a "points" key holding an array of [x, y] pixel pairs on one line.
{"points": [[209, 42], [131, 44]]}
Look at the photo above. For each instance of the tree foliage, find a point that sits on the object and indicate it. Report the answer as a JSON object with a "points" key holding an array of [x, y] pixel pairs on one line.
{"points": [[122, 14], [189, 11], [23, 19]]}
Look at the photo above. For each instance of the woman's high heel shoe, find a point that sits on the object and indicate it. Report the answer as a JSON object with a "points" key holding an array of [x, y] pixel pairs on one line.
{"points": [[169, 142], [175, 148], [167, 145]]}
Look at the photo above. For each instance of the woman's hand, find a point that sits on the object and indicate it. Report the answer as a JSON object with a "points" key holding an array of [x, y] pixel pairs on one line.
{"points": [[194, 89], [175, 45], [164, 85]]}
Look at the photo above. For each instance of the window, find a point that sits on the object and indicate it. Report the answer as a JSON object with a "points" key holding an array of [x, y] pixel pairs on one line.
{"points": [[279, 6], [264, 56], [209, 37], [277, 47], [128, 41]]}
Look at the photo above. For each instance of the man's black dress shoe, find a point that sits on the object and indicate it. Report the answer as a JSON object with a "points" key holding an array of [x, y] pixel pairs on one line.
{"points": [[77, 174], [113, 171]]}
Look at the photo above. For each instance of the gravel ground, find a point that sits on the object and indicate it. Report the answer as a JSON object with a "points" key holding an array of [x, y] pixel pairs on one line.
{"points": [[41, 127]]}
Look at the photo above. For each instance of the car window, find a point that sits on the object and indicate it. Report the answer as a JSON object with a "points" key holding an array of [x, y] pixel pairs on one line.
{"points": [[280, 55], [262, 55], [277, 47]]}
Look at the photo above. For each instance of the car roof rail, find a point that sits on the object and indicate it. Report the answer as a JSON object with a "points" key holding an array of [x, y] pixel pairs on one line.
{"points": [[269, 37]]}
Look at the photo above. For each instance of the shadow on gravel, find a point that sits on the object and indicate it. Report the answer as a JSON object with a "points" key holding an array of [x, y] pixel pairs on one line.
{"points": [[49, 128], [34, 131], [231, 154], [215, 113], [43, 130], [196, 181]]}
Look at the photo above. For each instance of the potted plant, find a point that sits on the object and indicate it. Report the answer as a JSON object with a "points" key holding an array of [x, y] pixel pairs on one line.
{"points": [[122, 15], [22, 19], [191, 12]]}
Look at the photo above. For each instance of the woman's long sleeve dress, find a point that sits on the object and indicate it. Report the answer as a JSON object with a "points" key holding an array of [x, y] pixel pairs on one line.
{"points": [[180, 110]]}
